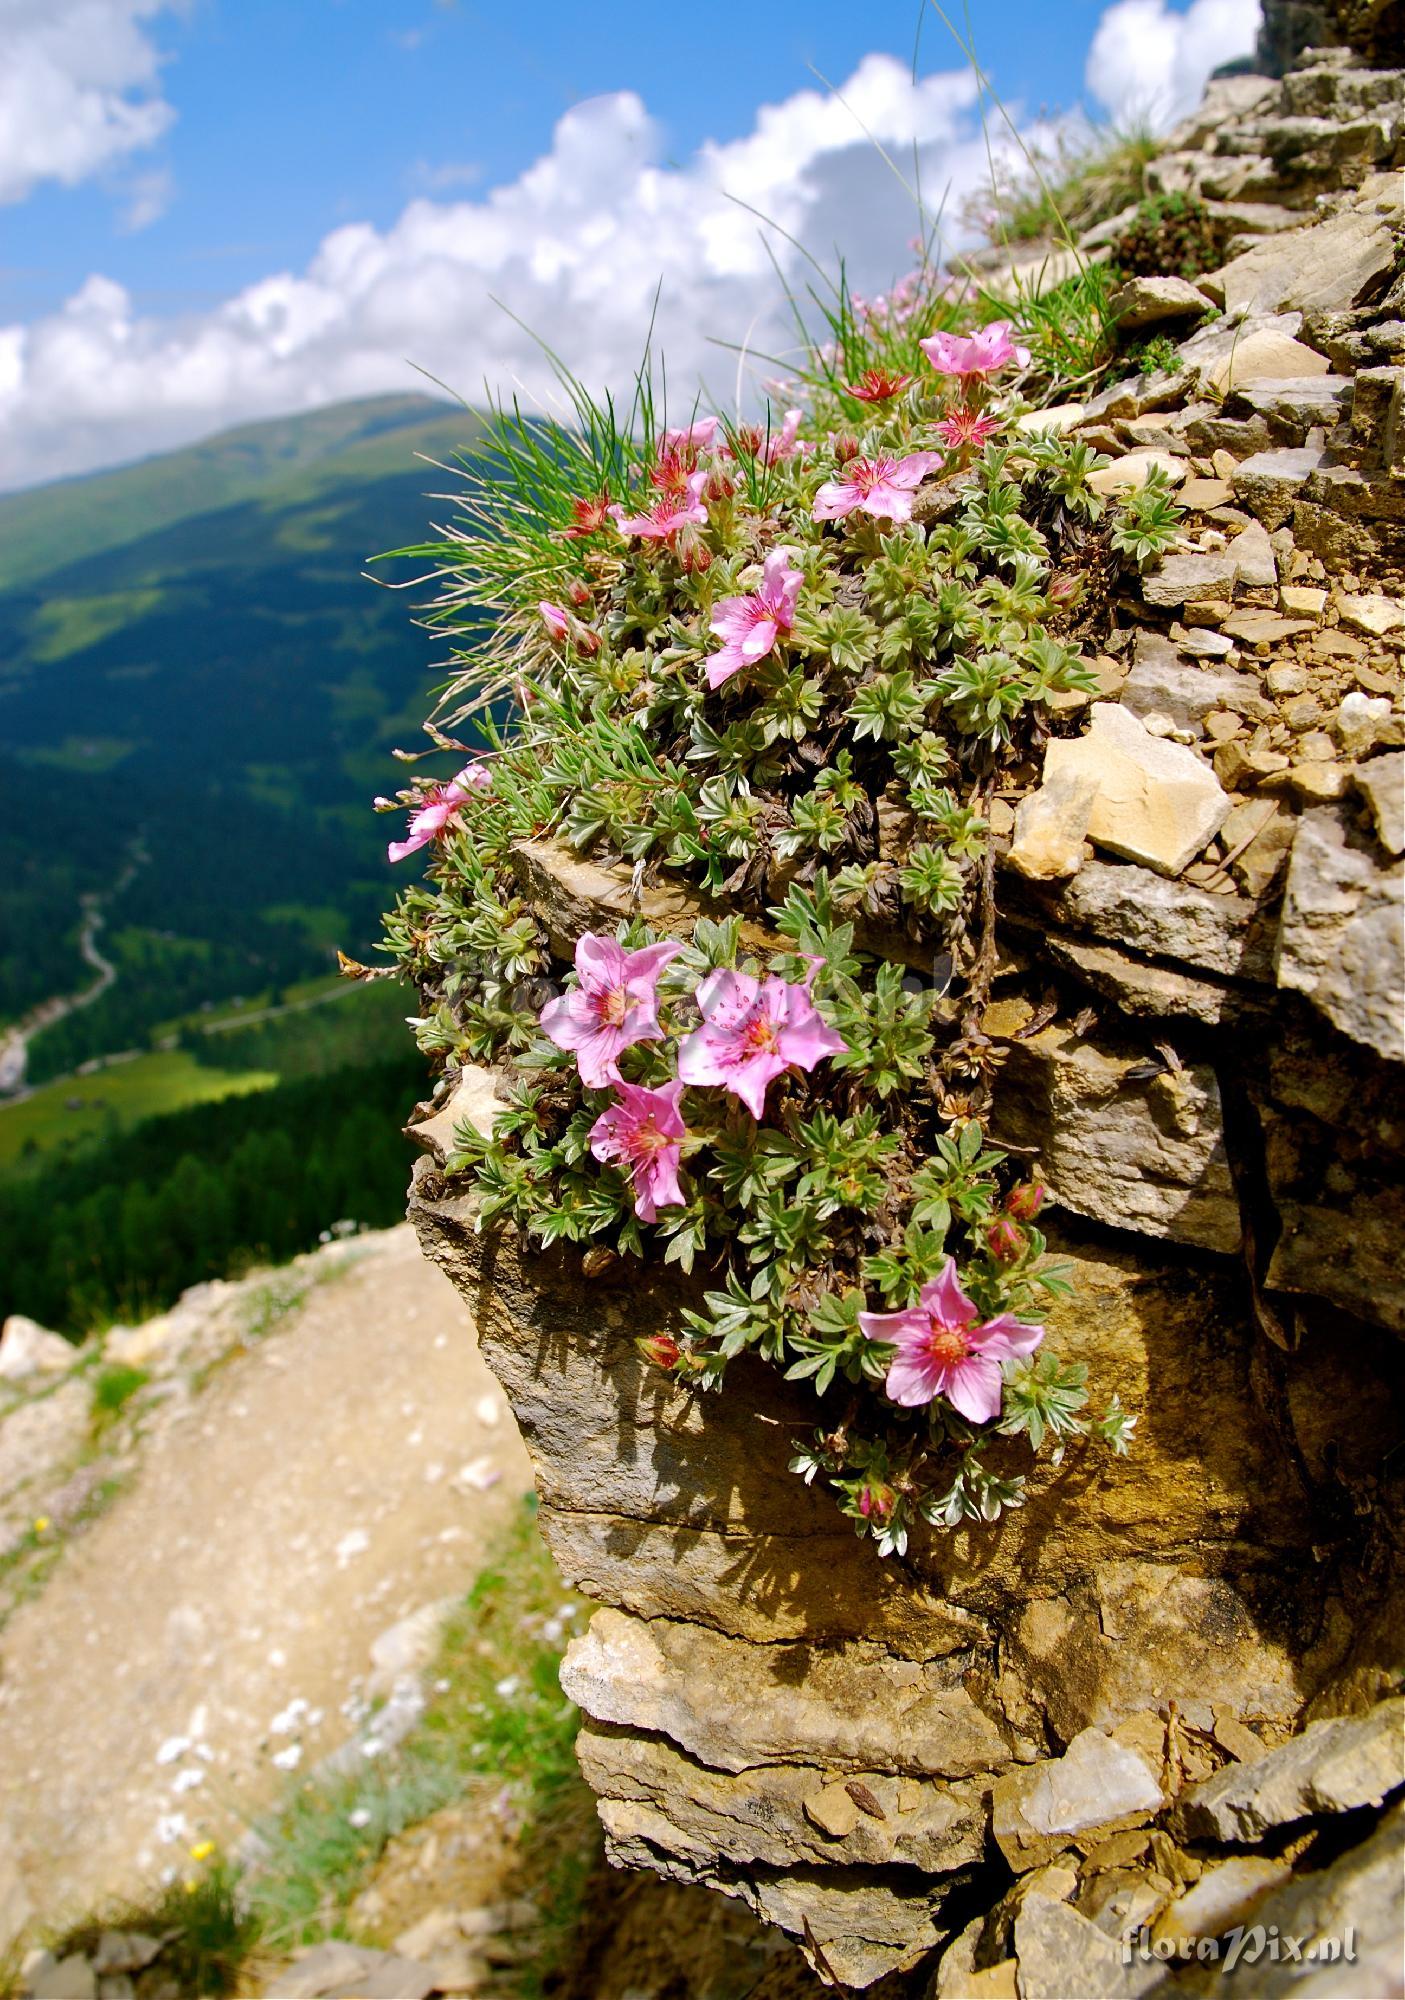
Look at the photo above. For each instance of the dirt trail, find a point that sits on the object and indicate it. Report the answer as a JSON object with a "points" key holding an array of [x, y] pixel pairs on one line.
{"points": [[14, 1043], [303, 1500]]}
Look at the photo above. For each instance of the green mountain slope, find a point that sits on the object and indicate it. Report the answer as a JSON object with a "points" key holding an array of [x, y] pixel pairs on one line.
{"points": [[194, 670]]}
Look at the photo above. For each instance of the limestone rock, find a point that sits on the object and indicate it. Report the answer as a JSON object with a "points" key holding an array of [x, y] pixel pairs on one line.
{"points": [[473, 1099], [674, 1508], [1342, 941], [1375, 615], [1253, 556], [1258, 837], [1061, 1953], [1142, 302], [1270, 482], [1262, 354], [1356, 1908], [777, 1815], [353, 1972], [1112, 1647], [1326, 268], [1134, 468], [1333, 1160], [1057, 417], [1039, 1809], [1138, 911], [1141, 1153], [1382, 781], [1258, 627], [833, 1811], [1224, 1896], [71, 1978], [28, 1349], [1183, 579], [865, 1925], [1146, 990], [1157, 802], [1198, 495], [1294, 406], [1050, 826], [1163, 683], [572, 895], [1333, 1767], [734, 1710]]}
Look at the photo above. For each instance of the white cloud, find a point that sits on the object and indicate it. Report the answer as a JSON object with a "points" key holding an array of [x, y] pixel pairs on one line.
{"points": [[1150, 62], [78, 89], [575, 249], [146, 199]]}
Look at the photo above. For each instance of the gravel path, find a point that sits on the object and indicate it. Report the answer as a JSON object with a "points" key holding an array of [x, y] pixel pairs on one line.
{"points": [[322, 1485]]}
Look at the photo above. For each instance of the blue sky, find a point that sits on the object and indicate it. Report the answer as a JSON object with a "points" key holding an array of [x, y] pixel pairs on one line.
{"points": [[209, 208], [291, 118]]}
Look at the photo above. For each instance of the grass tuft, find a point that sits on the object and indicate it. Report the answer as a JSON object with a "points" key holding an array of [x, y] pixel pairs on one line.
{"points": [[113, 1388], [498, 1728], [209, 1933]]}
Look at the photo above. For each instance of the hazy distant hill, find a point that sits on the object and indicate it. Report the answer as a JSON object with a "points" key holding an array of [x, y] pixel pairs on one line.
{"points": [[191, 656]]}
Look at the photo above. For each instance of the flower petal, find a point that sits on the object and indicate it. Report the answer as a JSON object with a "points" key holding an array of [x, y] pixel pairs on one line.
{"points": [[912, 1381], [973, 1387], [944, 1297]]}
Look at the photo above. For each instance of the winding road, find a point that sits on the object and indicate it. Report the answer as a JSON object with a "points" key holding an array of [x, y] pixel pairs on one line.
{"points": [[14, 1043]]}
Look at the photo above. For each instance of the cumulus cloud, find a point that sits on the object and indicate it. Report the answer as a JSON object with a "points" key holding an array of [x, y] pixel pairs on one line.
{"points": [[78, 89], [575, 250], [1149, 62]]}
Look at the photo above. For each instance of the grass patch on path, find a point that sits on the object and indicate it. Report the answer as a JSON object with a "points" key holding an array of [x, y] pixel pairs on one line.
{"points": [[498, 1728]]}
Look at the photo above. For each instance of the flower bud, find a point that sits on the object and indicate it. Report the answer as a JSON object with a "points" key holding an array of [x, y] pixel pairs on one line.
{"points": [[693, 554], [660, 1349], [719, 486], [580, 596], [1025, 1200], [876, 1501], [1005, 1240], [845, 448]]}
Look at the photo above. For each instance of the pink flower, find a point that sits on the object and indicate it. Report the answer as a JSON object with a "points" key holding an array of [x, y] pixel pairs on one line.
{"points": [[751, 441], [750, 626], [588, 516], [783, 443], [966, 429], [978, 353], [556, 621], [942, 1352], [613, 1004], [439, 808], [698, 434], [643, 1131], [752, 1030], [876, 385], [882, 487], [668, 514]]}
